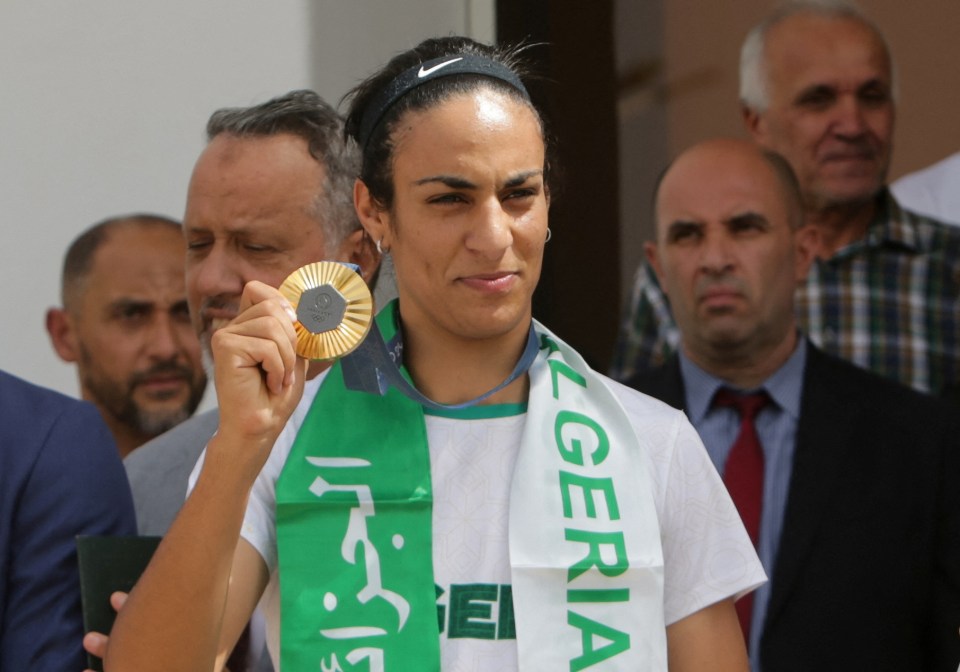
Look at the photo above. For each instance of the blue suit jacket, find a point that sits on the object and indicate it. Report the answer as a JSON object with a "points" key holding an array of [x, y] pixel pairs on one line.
{"points": [[60, 476]]}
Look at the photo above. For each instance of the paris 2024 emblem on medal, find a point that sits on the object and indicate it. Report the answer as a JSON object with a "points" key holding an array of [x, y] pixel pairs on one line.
{"points": [[334, 309]]}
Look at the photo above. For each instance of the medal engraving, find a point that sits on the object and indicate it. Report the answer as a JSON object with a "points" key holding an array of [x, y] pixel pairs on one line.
{"points": [[334, 309], [321, 309]]}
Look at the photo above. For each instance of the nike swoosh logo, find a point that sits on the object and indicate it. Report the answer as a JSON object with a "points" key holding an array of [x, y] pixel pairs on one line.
{"points": [[429, 71]]}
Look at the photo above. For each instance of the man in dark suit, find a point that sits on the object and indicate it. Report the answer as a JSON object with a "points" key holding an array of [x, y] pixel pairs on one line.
{"points": [[60, 476], [852, 481]]}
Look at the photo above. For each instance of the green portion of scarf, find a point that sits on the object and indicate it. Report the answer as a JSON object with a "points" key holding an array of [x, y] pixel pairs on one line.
{"points": [[354, 531], [354, 516]]}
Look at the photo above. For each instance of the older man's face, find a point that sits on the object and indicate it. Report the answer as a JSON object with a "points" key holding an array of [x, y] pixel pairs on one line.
{"points": [[831, 111], [250, 216]]}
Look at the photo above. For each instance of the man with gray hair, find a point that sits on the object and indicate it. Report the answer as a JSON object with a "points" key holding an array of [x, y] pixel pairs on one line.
{"points": [[817, 86], [272, 191]]}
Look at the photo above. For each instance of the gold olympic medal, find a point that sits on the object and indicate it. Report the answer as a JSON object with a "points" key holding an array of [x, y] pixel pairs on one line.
{"points": [[334, 309]]}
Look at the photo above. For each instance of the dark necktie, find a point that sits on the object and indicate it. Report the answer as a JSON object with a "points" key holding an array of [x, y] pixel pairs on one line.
{"points": [[743, 475]]}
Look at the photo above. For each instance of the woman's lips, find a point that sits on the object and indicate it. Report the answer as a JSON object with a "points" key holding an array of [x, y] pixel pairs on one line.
{"points": [[491, 282]]}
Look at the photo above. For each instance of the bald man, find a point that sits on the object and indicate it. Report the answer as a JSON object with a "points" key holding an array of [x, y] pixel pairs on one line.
{"points": [[817, 86], [846, 481]]}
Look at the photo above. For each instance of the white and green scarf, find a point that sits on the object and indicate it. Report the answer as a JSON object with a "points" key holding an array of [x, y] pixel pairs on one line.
{"points": [[354, 520]]}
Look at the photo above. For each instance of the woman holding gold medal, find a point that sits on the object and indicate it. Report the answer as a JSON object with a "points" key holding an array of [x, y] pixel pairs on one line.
{"points": [[461, 492]]}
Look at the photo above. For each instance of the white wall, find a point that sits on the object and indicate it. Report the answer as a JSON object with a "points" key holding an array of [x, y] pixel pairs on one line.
{"points": [[103, 105]]}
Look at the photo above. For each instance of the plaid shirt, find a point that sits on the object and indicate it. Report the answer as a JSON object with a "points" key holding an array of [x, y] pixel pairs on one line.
{"points": [[889, 302]]}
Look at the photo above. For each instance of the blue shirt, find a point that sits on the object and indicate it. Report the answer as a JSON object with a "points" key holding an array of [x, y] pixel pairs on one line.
{"points": [[777, 429]]}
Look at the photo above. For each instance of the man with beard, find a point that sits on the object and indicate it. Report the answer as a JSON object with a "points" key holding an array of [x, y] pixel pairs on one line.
{"points": [[125, 323], [817, 86], [846, 482]]}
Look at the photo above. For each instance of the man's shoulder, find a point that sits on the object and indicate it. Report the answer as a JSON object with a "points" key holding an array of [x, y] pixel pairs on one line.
{"points": [[160, 469], [30, 416], [936, 229], [180, 445], [933, 234], [643, 401], [663, 382], [886, 400], [825, 368], [18, 396]]}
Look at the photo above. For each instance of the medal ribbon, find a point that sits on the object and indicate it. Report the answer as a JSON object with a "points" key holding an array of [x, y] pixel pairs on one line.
{"points": [[375, 367]]}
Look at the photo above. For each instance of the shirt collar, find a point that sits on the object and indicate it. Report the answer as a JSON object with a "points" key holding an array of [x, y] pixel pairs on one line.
{"points": [[892, 226], [784, 386]]}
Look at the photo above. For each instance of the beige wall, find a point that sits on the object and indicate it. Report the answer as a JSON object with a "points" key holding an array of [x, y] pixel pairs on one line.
{"points": [[694, 95], [105, 102], [702, 42]]}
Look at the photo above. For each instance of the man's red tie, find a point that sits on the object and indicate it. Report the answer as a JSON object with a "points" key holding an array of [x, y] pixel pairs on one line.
{"points": [[743, 475]]}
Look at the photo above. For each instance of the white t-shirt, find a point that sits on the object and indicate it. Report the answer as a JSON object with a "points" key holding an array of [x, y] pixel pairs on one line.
{"points": [[707, 554], [933, 191]]}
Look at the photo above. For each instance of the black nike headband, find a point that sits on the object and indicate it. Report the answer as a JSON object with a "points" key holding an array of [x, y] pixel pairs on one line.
{"points": [[445, 66]]}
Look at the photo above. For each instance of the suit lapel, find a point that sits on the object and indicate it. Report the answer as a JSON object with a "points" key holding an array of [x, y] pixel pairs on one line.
{"points": [[664, 383], [824, 434]]}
